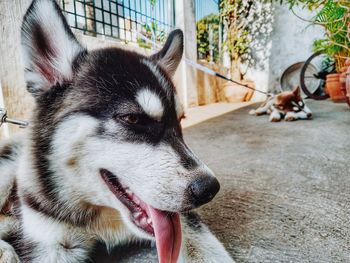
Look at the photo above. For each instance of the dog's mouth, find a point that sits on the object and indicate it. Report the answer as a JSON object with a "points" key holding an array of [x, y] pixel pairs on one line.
{"points": [[164, 226]]}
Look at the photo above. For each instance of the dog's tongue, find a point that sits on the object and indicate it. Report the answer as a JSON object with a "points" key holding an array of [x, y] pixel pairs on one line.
{"points": [[167, 230]]}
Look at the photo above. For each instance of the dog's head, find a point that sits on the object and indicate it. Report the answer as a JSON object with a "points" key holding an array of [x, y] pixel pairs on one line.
{"points": [[107, 124], [291, 101]]}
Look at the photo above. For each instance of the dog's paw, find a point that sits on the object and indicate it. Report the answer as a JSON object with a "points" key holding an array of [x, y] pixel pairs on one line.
{"points": [[257, 112], [7, 253], [290, 118], [252, 112], [275, 116], [275, 119]]}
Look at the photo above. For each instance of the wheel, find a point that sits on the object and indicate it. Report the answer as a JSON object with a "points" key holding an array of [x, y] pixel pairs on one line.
{"points": [[291, 77], [313, 75]]}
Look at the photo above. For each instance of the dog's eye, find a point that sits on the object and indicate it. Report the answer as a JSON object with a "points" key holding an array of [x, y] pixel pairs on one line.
{"points": [[130, 119], [137, 119]]}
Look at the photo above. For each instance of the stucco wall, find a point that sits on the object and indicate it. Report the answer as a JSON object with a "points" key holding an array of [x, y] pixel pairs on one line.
{"points": [[290, 42], [187, 76], [17, 102]]}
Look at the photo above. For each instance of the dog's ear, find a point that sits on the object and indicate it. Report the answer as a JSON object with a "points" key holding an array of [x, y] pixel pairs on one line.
{"points": [[49, 47], [170, 55], [297, 91]]}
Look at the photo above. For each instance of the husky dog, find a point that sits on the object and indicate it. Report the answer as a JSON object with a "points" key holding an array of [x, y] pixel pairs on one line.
{"points": [[288, 105], [104, 158]]}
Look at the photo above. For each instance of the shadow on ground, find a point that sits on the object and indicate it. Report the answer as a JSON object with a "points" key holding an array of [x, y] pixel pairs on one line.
{"points": [[285, 193]]}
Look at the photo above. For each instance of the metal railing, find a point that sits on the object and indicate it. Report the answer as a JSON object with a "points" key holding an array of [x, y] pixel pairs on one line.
{"points": [[121, 19], [206, 7], [209, 30]]}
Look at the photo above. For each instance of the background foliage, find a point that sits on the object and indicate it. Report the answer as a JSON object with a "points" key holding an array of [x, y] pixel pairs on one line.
{"points": [[248, 25], [205, 41], [334, 17]]}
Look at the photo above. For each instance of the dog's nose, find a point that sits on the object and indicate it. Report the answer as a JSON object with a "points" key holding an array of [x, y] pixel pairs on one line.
{"points": [[203, 189], [309, 115]]}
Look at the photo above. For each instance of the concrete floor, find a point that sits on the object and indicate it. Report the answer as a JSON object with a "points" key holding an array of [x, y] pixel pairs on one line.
{"points": [[285, 187], [200, 114]]}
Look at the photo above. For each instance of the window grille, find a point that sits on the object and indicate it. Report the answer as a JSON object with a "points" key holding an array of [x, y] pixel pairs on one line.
{"points": [[121, 19]]}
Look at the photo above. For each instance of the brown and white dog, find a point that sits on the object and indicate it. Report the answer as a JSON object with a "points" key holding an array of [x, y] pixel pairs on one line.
{"points": [[104, 158], [287, 105]]}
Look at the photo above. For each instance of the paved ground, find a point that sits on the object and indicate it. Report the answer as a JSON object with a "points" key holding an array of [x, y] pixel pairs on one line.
{"points": [[202, 113], [285, 193]]}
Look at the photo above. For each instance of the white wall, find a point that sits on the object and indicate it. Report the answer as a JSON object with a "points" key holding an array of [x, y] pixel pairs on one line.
{"points": [[17, 102], [187, 76], [291, 42]]}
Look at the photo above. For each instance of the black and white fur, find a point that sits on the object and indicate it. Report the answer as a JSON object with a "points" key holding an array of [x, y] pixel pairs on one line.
{"points": [[287, 105], [106, 109]]}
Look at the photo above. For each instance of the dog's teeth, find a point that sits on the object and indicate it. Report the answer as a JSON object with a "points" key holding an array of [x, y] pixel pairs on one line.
{"points": [[143, 221], [128, 192], [136, 200], [137, 214], [149, 221]]}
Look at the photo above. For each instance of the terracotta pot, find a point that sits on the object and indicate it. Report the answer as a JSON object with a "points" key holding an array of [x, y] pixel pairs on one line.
{"points": [[347, 86], [234, 92], [250, 92], [334, 87], [345, 80]]}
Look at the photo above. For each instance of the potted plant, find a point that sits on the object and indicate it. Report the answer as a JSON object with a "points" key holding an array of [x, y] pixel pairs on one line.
{"points": [[347, 83], [347, 74], [334, 17], [235, 44], [208, 38], [243, 22], [345, 80]]}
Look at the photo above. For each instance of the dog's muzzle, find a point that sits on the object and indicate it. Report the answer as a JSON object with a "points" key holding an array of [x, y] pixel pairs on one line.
{"points": [[202, 190]]}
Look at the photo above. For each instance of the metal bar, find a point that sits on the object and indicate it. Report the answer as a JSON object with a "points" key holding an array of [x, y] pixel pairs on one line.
{"points": [[173, 13], [137, 13], [110, 18], [161, 15], [117, 17], [75, 15], [141, 9], [124, 20], [146, 10], [22, 124], [85, 17], [103, 17], [94, 9], [130, 20]]}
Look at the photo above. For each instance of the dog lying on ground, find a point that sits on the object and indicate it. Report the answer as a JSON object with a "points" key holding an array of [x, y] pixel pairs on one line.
{"points": [[288, 105], [104, 158]]}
